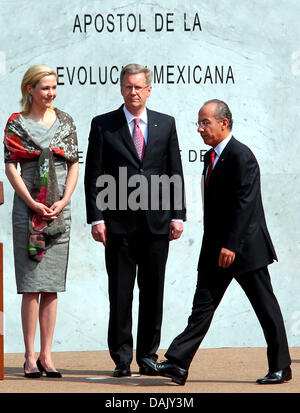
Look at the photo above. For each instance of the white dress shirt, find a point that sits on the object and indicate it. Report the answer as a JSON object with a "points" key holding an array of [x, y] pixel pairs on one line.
{"points": [[143, 122]]}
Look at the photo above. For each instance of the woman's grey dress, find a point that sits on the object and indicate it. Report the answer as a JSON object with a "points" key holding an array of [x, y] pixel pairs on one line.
{"points": [[49, 275]]}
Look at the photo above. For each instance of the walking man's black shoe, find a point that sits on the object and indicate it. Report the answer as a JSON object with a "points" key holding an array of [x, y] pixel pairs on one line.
{"points": [[167, 369], [276, 377]]}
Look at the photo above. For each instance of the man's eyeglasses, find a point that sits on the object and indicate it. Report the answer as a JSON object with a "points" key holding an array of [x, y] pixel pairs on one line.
{"points": [[138, 89], [203, 123]]}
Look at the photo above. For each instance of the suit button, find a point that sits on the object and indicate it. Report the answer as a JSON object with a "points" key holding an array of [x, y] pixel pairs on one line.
{"points": [[141, 170]]}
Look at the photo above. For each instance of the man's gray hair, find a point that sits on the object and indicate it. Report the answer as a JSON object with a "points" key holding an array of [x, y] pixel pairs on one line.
{"points": [[222, 111], [134, 68]]}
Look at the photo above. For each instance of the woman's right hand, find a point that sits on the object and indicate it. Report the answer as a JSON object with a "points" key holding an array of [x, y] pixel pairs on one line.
{"points": [[43, 211], [21, 189]]}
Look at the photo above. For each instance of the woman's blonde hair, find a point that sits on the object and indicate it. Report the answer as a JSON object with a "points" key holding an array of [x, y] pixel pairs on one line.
{"points": [[32, 77]]}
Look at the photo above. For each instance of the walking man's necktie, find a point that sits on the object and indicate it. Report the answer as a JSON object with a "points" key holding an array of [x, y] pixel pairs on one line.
{"points": [[138, 139], [210, 166]]}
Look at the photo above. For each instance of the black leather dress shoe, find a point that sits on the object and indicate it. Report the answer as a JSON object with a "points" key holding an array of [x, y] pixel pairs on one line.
{"points": [[121, 371], [147, 371], [167, 369], [276, 377]]}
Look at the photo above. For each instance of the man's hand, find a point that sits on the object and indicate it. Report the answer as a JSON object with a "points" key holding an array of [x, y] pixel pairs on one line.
{"points": [[226, 257], [176, 229], [99, 233]]}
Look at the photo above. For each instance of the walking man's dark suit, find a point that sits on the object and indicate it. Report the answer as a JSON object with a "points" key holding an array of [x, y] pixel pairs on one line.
{"points": [[136, 241], [236, 244]]}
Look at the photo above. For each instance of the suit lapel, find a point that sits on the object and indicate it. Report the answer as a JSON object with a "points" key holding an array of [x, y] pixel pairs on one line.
{"points": [[221, 162], [125, 134], [153, 135]]}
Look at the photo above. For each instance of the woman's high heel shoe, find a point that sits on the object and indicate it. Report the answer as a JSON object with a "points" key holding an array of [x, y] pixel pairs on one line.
{"points": [[51, 374], [32, 375]]}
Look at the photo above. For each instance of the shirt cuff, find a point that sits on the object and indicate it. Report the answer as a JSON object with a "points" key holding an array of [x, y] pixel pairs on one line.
{"points": [[97, 222]]}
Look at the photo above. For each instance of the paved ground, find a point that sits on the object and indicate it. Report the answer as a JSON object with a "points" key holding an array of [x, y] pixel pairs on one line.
{"points": [[224, 370]]}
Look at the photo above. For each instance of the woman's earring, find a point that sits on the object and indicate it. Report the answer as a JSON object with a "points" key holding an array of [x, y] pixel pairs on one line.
{"points": [[30, 98]]}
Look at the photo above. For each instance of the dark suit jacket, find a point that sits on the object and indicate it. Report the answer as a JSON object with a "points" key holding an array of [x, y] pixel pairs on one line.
{"points": [[233, 211], [111, 147]]}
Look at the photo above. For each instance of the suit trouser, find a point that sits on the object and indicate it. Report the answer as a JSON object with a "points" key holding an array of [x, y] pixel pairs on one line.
{"points": [[140, 255], [210, 289]]}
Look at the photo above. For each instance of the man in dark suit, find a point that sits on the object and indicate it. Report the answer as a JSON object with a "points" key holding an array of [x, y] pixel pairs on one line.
{"points": [[236, 244], [135, 215]]}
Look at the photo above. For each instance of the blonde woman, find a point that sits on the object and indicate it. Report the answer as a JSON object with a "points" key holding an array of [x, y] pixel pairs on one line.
{"points": [[42, 140]]}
